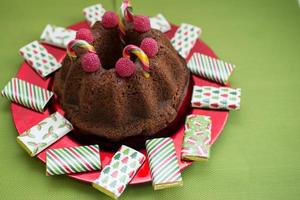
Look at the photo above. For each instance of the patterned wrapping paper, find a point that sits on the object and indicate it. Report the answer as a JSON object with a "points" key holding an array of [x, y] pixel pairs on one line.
{"points": [[163, 162], [57, 36], [93, 13], [44, 134], [159, 22], [122, 168], [185, 39], [39, 59], [27, 94], [197, 135], [210, 68], [73, 160], [222, 98]]}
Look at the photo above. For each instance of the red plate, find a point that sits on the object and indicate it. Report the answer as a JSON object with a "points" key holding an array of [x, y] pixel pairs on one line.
{"points": [[25, 118]]}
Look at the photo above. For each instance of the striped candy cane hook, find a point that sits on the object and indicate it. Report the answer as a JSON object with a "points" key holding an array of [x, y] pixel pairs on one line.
{"points": [[79, 44], [126, 11], [138, 52], [126, 17]]}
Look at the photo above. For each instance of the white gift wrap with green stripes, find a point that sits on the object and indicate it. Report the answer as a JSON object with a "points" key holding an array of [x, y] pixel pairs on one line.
{"points": [[72, 160], [39, 59], [185, 39], [159, 22], [93, 13], [211, 68], [120, 171], [27, 94], [57, 36], [163, 163], [44, 134]]}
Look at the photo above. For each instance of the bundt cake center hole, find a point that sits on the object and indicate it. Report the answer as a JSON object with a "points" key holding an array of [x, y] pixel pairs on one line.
{"points": [[109, 46], [110, 54]]}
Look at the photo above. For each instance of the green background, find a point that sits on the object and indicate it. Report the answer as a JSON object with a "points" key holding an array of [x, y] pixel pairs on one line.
{"points": [[257, 155]]}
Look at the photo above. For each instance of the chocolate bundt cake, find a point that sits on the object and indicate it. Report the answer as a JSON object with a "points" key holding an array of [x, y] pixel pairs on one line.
{"points": [[113, 105]]}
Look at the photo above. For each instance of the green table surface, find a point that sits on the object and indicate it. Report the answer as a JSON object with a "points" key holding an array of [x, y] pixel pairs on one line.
{"points": [[257, 155]]}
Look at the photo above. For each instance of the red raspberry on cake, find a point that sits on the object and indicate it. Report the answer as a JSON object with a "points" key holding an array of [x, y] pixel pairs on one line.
{"points": [[149, 46], [90, 62], [125, 67], [110, 19], [141, 23], [85, 34]]}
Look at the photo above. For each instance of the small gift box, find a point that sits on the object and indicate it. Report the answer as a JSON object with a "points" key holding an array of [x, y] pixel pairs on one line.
{"points": [[44, 134], [185, 39], [120, 171], [211, 68], [27, 94], [159, 22], [222, 98], [163, 162], [39, 59], [57, 36], [93, 13], [197, 135], [71, 160]]}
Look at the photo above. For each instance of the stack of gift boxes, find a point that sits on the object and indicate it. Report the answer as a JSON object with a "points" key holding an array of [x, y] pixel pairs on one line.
{"points": [[161, 154]]}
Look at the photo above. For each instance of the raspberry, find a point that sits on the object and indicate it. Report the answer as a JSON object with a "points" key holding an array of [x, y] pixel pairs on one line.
{"points": [[125, 67], [85, 34], [109, 19], [141, 23], [149, 46], [90, 62]]}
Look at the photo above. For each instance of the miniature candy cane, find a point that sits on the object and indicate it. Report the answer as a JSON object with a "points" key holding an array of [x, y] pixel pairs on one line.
{"points": [[122, 30], [126, 17], [140, 23], [81, 44], [132, 49], [126, 11]]}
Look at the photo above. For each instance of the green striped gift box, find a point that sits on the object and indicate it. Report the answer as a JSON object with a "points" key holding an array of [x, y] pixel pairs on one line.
{"points": [[27, 94], [72, 160], [210, 68], [163, 163]]}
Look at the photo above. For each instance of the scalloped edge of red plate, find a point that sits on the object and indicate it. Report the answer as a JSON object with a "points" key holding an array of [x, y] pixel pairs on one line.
{"points": [[25, 118]]}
